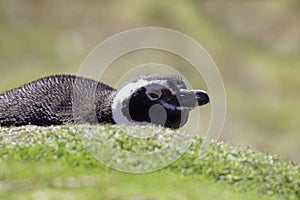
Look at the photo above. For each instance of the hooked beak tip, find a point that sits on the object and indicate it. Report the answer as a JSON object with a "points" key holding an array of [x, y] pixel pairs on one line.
{"points": [[202, 97]]}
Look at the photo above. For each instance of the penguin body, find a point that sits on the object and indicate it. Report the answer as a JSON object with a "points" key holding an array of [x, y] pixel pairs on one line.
{"points": [[64, 99]]}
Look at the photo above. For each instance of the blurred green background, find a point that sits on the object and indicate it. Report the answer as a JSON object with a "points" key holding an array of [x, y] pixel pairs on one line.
{"points": [[255, 44]]}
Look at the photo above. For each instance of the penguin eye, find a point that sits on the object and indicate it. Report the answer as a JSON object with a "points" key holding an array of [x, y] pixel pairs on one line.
{"points": [[153, 96]]}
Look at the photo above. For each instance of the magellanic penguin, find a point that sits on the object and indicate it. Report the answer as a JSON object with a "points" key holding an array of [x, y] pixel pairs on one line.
{"points": [[160, 99]]}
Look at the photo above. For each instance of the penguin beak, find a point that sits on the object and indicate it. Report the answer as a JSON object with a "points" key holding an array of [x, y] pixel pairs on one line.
{"points": [[192, 98]]}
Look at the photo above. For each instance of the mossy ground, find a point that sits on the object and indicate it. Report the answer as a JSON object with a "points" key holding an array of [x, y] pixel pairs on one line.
{"points": [[52, 163]]}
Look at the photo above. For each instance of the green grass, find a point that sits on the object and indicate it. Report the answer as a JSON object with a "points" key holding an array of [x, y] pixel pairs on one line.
{"points": [[52, 163]]}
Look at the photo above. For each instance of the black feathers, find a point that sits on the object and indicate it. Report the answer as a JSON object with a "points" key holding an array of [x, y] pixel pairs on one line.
{"points": [[48, 101]]}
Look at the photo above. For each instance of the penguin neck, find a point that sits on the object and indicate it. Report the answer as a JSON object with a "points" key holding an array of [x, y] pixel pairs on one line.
{"points": [[120, 101], [104, 109]]}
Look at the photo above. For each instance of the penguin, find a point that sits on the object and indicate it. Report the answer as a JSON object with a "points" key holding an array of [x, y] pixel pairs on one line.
{"points": [[163, 100]]}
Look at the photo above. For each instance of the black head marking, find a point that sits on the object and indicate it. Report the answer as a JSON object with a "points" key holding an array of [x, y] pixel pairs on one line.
{"points": [[158, 99]]}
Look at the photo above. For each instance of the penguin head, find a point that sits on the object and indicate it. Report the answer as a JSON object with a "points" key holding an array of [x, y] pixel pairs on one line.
{"points": [[159, 99]]}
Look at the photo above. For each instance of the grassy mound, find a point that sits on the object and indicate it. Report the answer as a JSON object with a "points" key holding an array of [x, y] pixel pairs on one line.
{"points": [[53, 163]]}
